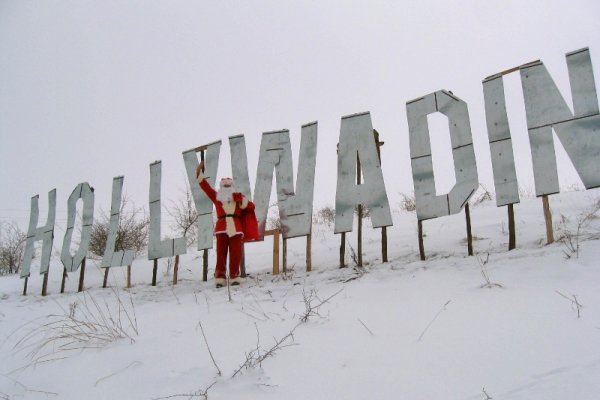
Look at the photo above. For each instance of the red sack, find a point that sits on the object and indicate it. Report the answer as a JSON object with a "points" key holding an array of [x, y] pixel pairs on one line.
{"points": [[249, 225]]}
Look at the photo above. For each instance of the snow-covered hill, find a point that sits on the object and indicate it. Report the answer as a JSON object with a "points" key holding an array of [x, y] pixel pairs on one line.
{"points": [[406, 329]]}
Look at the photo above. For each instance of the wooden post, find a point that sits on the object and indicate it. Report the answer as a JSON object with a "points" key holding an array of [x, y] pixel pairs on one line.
{"points": [[360, 216], [25, 286], [45, 284], [343, 251], [548, 218], [64, 279], [469, 235], [175, 269], [105, 281], [205, 265], [309, 251], [128, 276], [512, 238], [81, 275], [421, 245], [384, 255], [276, 252], [154, 271], [284, 261]]}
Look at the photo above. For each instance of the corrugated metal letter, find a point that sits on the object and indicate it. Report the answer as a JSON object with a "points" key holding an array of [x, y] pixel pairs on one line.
{"points": [[295, 206], [84, 192], [579, 132], [44, 233], [111, 257], [503, 161], [158, 248], [204, 206], [356, 138], [430, 205]]}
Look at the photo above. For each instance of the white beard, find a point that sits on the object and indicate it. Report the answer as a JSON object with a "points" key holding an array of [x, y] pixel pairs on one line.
{"points": [[225, 194]]}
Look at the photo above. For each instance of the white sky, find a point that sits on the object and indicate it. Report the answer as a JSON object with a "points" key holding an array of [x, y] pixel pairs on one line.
{"points": [[90, 90]]}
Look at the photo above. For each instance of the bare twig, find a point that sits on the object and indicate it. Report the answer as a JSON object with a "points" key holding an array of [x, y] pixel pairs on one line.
{"points": [[312, 309], [431, 322], [208, 347], [201, 394], [487, 396], [367, 328], [574, 303]]}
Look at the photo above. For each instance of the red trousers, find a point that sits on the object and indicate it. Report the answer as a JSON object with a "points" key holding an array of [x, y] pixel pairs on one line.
{"points": [[233, 245]]}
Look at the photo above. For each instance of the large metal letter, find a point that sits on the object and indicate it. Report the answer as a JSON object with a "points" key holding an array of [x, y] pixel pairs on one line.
{"points": [[356, 138], [86, 193], [430, 205], [579, 133], [111, 257], [204, 206], [295, 206], [44, 233], [503, 161], [158, 248]]}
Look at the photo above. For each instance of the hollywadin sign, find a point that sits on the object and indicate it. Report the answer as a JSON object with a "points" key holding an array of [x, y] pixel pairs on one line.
{"points": [[546, 110]]}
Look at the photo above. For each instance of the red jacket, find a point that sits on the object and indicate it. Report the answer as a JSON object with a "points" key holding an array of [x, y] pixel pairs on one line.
{"points": [[230, 215]]}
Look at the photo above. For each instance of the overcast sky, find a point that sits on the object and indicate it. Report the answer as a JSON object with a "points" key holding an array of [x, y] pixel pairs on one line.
{"points": [[90, 90]]}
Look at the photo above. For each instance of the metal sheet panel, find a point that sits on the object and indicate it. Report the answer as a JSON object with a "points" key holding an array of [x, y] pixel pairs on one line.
{"points": [[465, 169], [503, 162], [416, 113], [577, 132], [158, 248], [296, 210], [583, 85], [111, 257], [505, 176], [356, 139], [239, 165], [458, 118], [429, 205], [203, 205], [44, 233], [84, 192]]}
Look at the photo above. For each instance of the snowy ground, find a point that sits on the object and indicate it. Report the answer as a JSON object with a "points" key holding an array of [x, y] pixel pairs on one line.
{"points": [[406, 329]]}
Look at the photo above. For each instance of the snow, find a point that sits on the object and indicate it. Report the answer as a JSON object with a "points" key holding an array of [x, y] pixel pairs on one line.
{"points": [[405, 329]]}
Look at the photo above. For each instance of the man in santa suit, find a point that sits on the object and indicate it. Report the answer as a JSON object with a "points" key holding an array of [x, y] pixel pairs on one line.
{"points": [[228, 229]]}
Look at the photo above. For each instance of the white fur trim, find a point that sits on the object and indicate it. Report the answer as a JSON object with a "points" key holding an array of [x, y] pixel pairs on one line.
{"points": [[200, 177], [220, 281], [238, 280]]}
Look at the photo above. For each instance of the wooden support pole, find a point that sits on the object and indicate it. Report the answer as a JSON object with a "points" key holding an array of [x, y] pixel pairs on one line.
{"points": [[175, 269], [548, 219], [205, 265], [154, 271], [25, 286], [343, 251], [512, 238], [45, 284], [105, 281], [284, 261], [128, 276], [421, 245], [276, 252], [81, 275], [360, 216], [384, 255], [309, 251], [64, 280], [469, 235]]}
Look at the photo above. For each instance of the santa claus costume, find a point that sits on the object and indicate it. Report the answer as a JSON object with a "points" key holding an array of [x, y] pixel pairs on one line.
{"points": [[231, 208]]}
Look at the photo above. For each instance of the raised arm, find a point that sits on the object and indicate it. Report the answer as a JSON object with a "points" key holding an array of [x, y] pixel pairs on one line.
{"points": [[204, 185]]}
